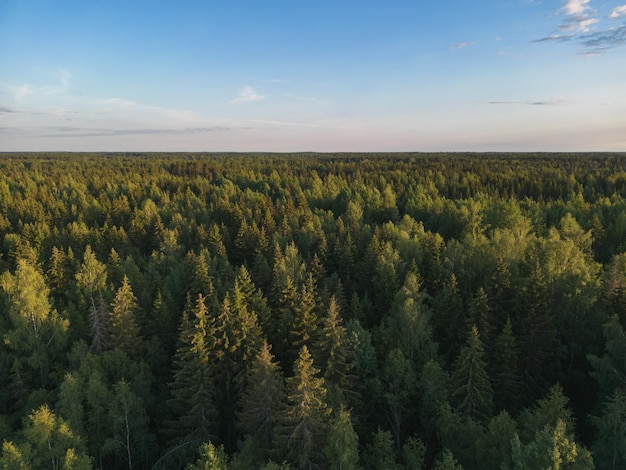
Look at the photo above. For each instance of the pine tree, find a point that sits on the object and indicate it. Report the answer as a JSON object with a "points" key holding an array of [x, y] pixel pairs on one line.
{"points": [[123, 327], [260, 402], [504, 367], [237, 341], [305, 322], [279, 334], [342, 447], [448, 313], [471, 386], [609, 450], [305, 417], [480, 315], [334, 355], [539, 345], [399, 392], [193, 391], [255, 301]]}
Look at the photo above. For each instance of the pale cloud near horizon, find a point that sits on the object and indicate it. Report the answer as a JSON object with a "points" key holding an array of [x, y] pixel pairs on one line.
{"points": [[551, 102]]}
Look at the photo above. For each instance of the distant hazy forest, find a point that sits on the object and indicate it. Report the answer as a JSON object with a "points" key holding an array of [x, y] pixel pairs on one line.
{"points": [[376, 311]]}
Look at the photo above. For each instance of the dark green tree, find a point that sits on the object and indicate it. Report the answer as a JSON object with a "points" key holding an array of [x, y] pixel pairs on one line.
{"points": [[504, 367], [261, 400], [304, 420], [193, 388], [471, 386], [334, 355], [342, 446]]}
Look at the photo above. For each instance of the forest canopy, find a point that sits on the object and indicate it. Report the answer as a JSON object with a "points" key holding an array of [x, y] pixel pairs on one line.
{"points": [[237, 311]]}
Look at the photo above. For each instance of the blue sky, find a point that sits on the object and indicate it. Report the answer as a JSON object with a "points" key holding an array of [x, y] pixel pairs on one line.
{"points": [[342, 75]]}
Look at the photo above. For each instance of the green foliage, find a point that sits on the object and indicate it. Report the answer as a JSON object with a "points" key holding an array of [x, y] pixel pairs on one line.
{"points": [[552, 448], [380, 453], [211, 458], [609, 450], [192, 389], [35, 332], [260, 403], [342, 447], [470, 381], [123, 327], [304, 420], [410, 250], [46, 442], [447, 462]]}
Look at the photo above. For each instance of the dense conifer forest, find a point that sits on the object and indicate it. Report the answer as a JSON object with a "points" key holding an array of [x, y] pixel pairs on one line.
{"points": [[376, 311]]}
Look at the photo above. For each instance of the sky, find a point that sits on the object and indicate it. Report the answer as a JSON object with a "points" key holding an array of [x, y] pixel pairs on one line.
{"points": [[290, 76]]}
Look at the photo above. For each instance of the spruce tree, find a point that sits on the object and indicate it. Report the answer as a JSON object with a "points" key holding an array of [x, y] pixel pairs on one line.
{"points": [[342, 446], [192, 401], [504, 367], [304, 419], [260, 402], [123, 328], [334, 355], [470, 382]]}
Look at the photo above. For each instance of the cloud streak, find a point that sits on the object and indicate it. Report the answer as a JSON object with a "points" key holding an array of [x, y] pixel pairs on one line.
{"points": [[532, 103], [460, 45], [63, 131], [607, 39]]}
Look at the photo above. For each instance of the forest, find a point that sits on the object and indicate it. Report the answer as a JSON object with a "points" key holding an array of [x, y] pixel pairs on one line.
{"points": [[341, 311]]}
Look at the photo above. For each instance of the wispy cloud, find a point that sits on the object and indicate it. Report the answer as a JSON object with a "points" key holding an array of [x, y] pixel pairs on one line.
{"points": [[461, 45], [555, 37], [578, 16], [606, 39], [583, 24], [248, 94], [618, 12], [20, 92], [64, 131], [553, 102], [116, 102]]}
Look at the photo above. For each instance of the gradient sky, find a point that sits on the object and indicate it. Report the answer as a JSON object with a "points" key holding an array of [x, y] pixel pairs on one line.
{"points": [[340, 75]]}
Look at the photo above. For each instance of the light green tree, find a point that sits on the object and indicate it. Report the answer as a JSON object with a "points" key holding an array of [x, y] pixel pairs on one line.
{"points": [[46, 442], [36, 333], [123, 326], [211, 458]]}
